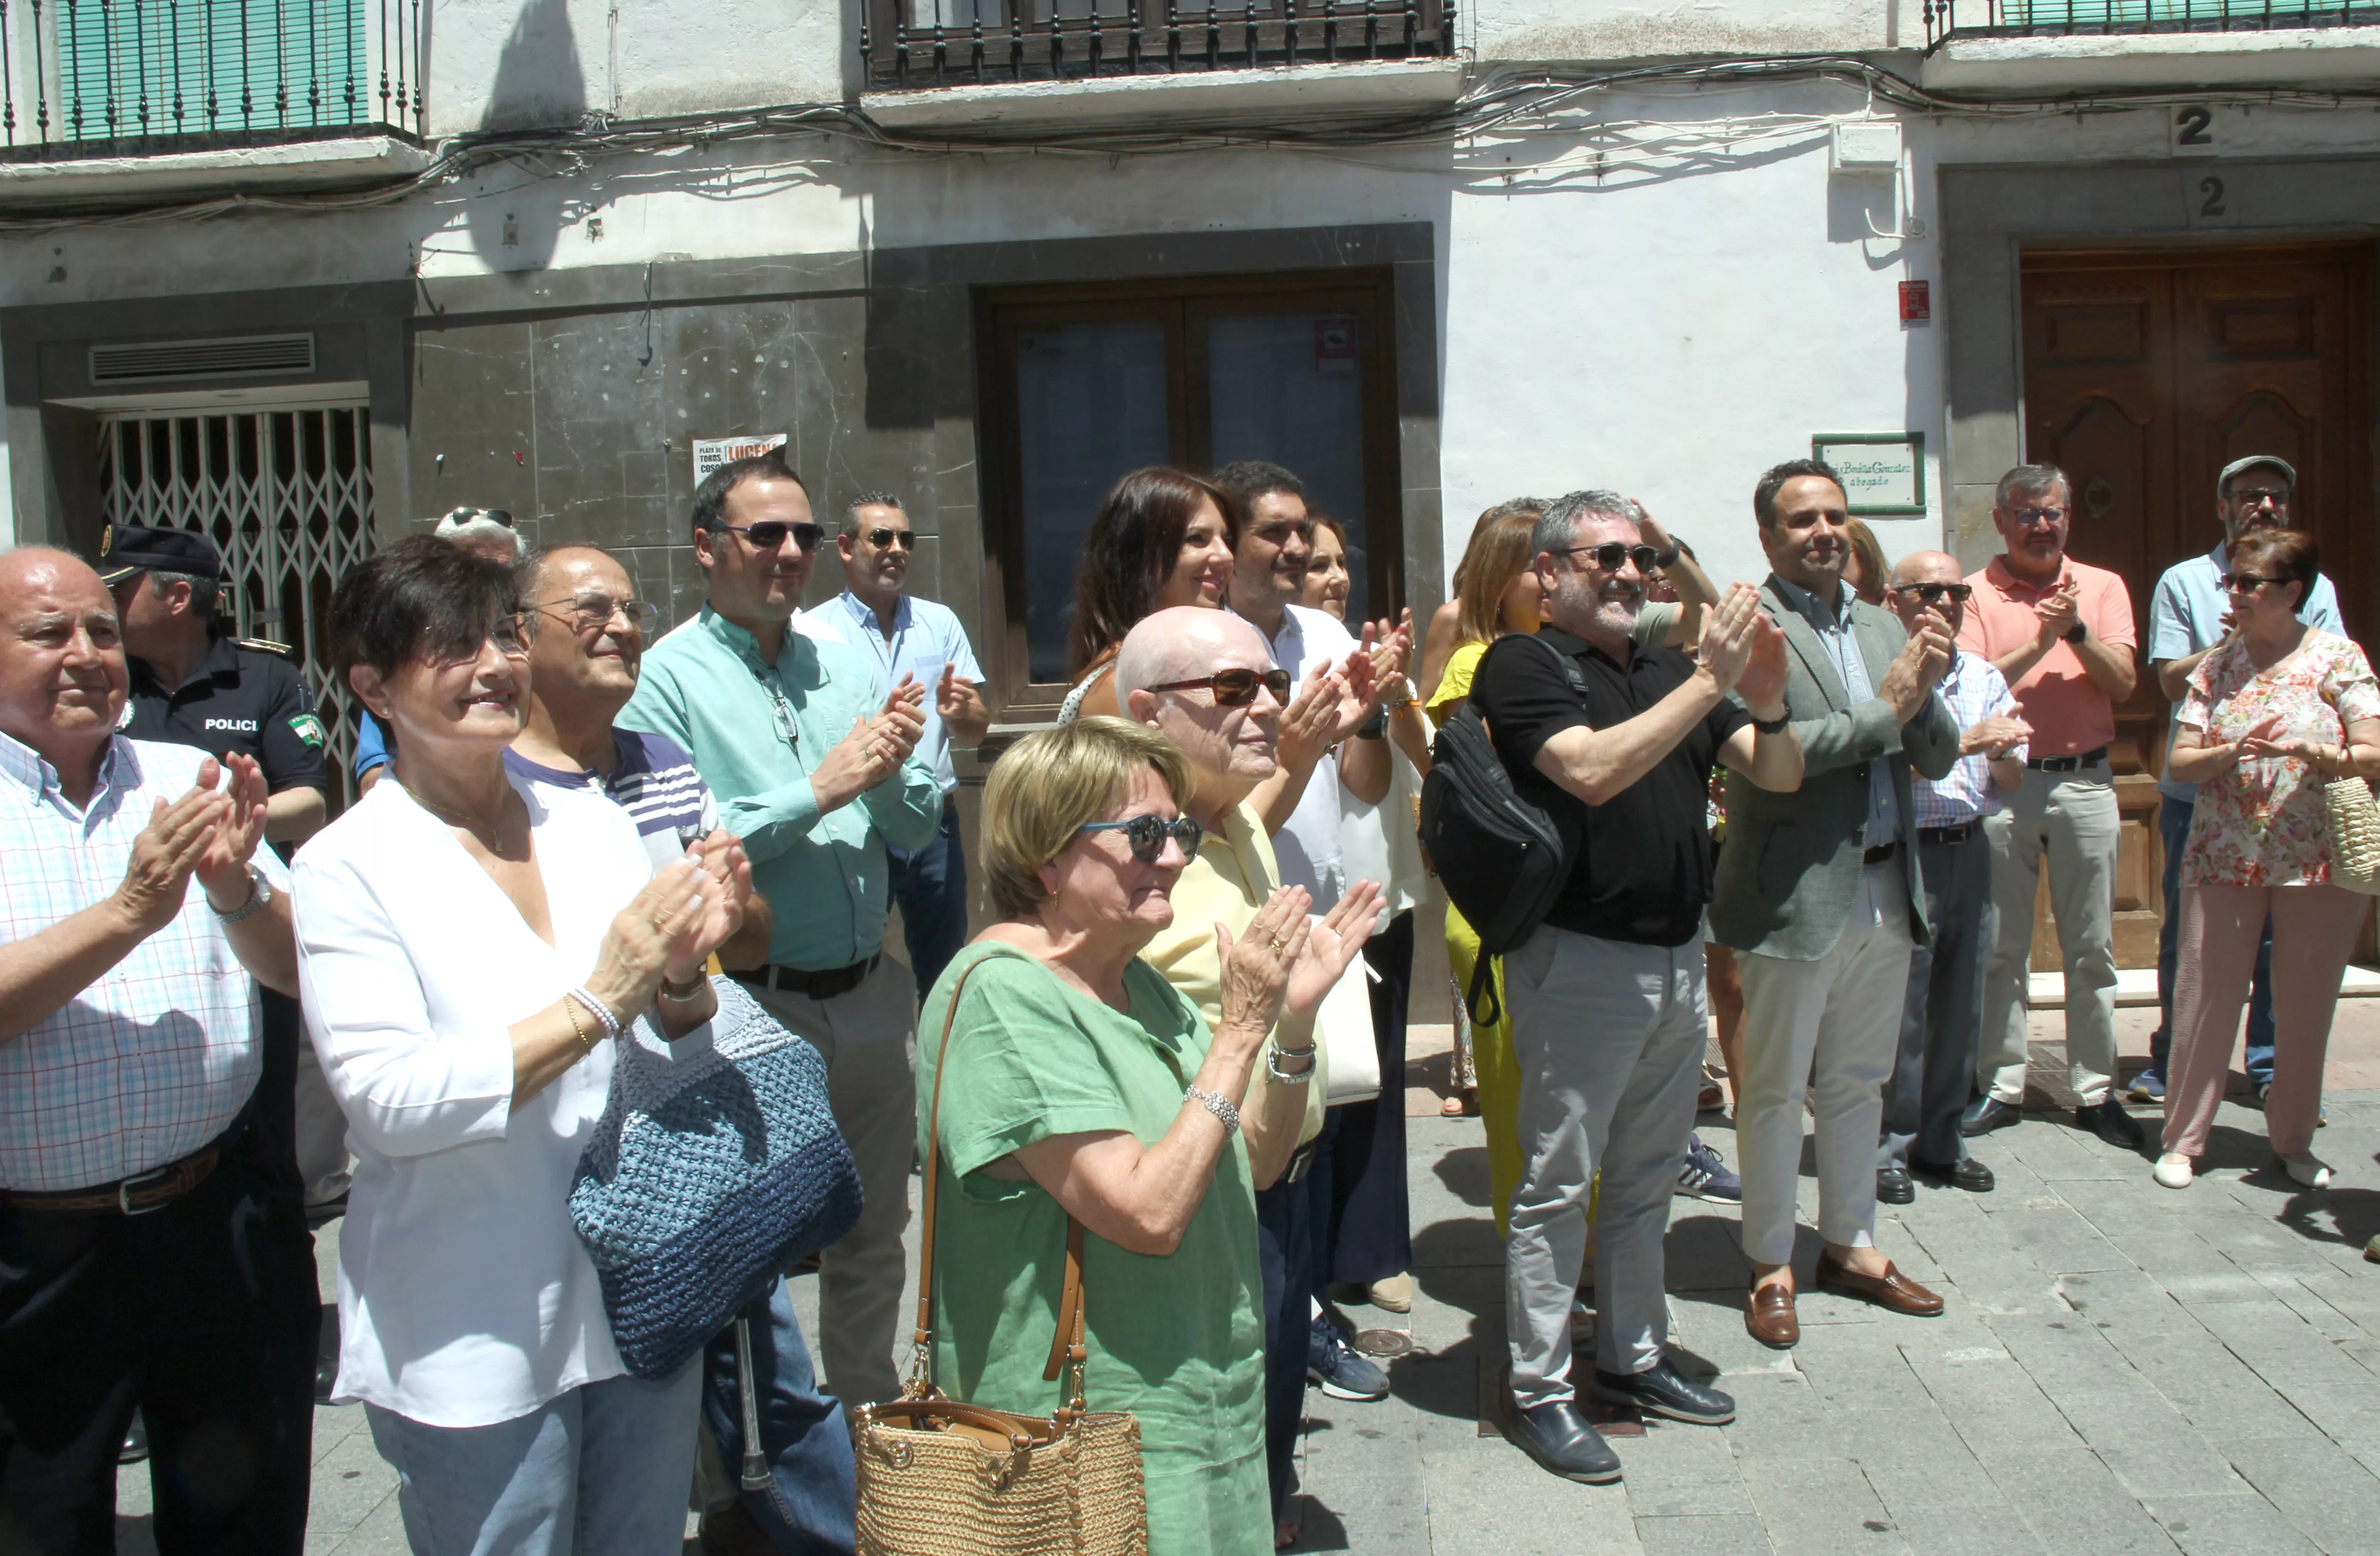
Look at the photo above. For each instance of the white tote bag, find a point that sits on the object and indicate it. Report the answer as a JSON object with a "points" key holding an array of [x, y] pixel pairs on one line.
{"points": [[1342, 1030]]}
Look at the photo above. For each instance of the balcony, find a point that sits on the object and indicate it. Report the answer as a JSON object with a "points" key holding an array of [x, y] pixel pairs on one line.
{"points": [[2048, 47], [938, 63], [103, 97]]}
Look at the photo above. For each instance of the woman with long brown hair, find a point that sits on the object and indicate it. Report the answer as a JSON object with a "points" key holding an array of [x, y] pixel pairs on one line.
{"points": [[1164, 538]]}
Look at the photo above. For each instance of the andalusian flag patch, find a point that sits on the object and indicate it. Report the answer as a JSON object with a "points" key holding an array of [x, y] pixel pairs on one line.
{"points": [[308, 729]]}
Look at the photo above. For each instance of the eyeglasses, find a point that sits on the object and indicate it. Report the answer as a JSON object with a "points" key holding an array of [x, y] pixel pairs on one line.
{"points": [[511, 635], [1611, 553], [1934, 594], [2259, 496], [770, 533], [1147, 834], [1235, 687], [2245, 582], [2028, 517], [884, 539], [592, 611]]}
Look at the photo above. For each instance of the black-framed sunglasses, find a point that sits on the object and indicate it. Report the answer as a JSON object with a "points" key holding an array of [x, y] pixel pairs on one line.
{"points": [[1146, 834], [770, 533], [1235, 687], [1934, 594], [2245, 582], [589, 611], [884, 539], [466, 515], [1611, 553]]}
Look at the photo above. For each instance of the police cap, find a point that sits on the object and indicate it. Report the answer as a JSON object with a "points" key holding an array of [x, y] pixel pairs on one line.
{"points": [[124, 550]]}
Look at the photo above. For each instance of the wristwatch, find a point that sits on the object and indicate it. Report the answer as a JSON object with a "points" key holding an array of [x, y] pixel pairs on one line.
{"points": [[1667, 559], [2077, 632], [260, 893]]}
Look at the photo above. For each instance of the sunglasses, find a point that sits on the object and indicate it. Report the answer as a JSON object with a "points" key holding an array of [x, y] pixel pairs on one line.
{"points": [[511, 635], [770, 533], [493, 515], [1934, 594], [1611, 553], [2028, 517], [883, 539], [1235, 688], [2245, 582], [1146, 834]]}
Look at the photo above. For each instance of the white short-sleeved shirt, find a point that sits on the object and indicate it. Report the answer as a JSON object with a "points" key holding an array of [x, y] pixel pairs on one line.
{"points": [[1307, 847], [466, 1297]]}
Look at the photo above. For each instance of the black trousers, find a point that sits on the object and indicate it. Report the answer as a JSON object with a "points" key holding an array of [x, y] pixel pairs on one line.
{"points": [[202, 1315], [1369, 1231], [1285, 1256]]}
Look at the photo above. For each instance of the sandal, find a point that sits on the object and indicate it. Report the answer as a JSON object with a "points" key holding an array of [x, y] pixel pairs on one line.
{"points": [[1461, 1103]]}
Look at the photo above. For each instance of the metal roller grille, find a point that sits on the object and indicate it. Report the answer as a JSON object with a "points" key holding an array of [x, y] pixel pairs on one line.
{"points": [[286, 497]]}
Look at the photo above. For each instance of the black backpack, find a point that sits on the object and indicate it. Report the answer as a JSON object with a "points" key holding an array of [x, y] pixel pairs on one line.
{"points": [[1503, 857]]}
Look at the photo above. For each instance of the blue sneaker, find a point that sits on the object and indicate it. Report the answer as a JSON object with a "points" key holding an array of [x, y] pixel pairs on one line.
{"points": [[2321, 1112], [1705, 1175], [1333, 1363], [2147, 1086]]}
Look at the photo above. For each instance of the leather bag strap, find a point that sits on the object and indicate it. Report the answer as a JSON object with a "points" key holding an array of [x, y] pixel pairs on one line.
{"points": [[1066, 1347]]}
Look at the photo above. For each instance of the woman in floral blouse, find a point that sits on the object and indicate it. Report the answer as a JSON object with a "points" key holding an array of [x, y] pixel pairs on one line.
{"points": [[2277, 710]]}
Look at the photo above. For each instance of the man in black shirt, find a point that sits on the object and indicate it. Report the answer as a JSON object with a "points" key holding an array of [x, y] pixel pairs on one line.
{"points": [[1609, 1019]]}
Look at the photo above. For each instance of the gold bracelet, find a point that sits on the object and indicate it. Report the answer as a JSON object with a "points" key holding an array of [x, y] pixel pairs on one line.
{"points": [[578, 1027]]}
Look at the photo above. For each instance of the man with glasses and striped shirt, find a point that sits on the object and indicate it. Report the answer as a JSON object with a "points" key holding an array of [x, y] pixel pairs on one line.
{"points": [[1942, 1017]]}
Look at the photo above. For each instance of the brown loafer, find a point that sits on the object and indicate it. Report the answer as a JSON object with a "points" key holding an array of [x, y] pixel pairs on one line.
{"points": [[1768, 1317], [1892, 1290]]}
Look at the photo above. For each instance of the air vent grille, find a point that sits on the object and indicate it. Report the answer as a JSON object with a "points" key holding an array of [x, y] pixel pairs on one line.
{"points": [[237, 357]]}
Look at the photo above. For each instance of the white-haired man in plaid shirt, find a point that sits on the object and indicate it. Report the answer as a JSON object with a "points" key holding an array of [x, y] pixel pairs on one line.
{"points": [[1942, 1019], [153, 1254]]}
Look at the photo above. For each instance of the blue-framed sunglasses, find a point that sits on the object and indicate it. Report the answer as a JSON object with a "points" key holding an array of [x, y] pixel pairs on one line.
{"points": [[1147, 834]]}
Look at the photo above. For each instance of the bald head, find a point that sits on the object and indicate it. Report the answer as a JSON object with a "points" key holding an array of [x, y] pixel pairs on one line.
{"points": [[1185, 641], [1921, 574], [62, 678], [1925, 567]]}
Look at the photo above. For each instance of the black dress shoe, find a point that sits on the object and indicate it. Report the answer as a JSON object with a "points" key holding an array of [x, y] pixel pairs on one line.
{"points": [[1662, 1389], [1892, 1186], [136, 1442], [1966, 1173], [2108, 1120], [1557, 1437], [1986, 1114]]}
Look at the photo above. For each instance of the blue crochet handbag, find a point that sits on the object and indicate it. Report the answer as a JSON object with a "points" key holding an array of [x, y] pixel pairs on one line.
{"points": [[715, 1167]]}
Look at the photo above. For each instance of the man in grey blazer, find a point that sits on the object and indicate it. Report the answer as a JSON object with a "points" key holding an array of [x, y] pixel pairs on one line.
{"points": [[1818, 893]]}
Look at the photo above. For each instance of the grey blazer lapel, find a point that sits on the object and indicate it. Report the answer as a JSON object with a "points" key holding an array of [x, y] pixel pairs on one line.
{"points": [[1816, 661], [1879, 644]]}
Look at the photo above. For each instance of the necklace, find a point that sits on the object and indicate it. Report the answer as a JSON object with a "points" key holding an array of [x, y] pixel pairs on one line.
{"points": [[486, 834]]}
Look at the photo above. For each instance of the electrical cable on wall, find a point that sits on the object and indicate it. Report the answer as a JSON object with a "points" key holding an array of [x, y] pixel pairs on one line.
{"points": [[1504, 102]]}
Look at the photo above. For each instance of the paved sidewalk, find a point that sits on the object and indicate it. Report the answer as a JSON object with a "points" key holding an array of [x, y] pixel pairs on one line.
{"points": [[2121, 1368]]}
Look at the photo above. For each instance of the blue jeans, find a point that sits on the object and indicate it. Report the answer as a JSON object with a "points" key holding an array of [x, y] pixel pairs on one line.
{"points": [[930, 886], [807, 1507], [2173, 829], [602, 1469]]}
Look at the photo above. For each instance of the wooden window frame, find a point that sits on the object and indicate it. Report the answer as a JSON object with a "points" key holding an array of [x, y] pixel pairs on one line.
{"points": [[1184, 304]]}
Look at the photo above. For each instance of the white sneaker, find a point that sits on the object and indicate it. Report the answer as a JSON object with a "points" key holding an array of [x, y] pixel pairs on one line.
{"points": [[2174, 1170], [2307, 1171]]}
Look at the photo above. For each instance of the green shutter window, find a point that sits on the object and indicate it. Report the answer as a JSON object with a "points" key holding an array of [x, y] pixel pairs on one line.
{"points": [[141, 68]]}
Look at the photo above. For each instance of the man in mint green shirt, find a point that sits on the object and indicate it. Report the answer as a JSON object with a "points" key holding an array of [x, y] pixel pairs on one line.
{"points": [[816, 773]]}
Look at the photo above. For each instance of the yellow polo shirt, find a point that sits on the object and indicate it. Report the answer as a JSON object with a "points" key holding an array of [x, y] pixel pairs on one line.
{"points": [[1226, 883]]}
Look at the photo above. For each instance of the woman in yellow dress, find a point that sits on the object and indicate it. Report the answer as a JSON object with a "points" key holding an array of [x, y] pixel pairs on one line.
{"points": [[1497, 593]]}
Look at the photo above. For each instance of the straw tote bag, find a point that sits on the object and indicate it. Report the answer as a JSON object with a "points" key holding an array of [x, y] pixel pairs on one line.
{"points": [[942, 1477], [2355, 835]]}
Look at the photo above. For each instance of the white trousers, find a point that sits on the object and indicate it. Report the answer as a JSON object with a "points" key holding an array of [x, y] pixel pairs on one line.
{"points": [[1829, 1028]]}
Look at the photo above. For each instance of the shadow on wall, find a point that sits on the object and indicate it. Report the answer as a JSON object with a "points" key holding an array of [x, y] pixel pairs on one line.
{"points": [[538, 83]]}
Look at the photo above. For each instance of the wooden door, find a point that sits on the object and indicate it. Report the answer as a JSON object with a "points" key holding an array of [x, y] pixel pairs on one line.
{"points": [[2145, 372]]}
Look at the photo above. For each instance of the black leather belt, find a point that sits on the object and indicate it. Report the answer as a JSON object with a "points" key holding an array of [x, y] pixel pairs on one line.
{"points": [[815, 985], [142, 1192], [1958, 834], [1880, 853], [2069, 764]]}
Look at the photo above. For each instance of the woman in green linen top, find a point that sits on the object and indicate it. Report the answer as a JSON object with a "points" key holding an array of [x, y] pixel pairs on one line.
{"points": [[1081, 1082]]}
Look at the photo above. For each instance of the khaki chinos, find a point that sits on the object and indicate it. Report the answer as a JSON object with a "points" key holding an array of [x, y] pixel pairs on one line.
{"points": [[2070, 817]]}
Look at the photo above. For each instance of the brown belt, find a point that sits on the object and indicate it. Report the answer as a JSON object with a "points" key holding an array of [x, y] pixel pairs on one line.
{"points": [[137, 1195]]}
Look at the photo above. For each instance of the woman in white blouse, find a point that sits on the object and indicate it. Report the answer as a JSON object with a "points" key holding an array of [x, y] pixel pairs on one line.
{"points": [[469, 946]]}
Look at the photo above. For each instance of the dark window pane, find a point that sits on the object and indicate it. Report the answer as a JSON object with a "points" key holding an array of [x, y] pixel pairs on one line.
{"points": [[1090, 406], [1288, 387]]}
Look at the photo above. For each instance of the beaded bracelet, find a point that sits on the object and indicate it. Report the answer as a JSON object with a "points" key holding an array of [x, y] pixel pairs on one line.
{"points": [[601, 1011], [578, 1027], [1216, 1104]]}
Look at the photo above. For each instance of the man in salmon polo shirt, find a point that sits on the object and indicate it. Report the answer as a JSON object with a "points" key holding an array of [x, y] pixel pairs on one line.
{"points": [[2061, 633]]}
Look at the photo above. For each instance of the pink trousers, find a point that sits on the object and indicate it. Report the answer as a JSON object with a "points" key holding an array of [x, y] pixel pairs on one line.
{"points": [[2314, 932]]}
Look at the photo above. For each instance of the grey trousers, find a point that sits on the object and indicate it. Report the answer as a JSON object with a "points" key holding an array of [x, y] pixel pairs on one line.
{"points": [[2071, 817], [1942, 1022], [869, 1039], [1610, 1038]]}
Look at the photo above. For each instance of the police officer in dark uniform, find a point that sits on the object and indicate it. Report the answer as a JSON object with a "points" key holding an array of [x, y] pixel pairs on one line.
{"points": [[194, 683]]}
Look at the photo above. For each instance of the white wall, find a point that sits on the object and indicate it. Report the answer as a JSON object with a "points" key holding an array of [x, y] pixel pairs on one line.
{"points": [[1556, 30]]}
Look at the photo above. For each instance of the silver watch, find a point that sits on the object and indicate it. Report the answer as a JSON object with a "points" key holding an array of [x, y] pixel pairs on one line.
{"points": [[260, 894]]}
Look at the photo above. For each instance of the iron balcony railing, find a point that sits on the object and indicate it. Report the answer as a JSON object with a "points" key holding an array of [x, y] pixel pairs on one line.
{"points": [[1946, 19], [104, 77], [921, 44]]}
